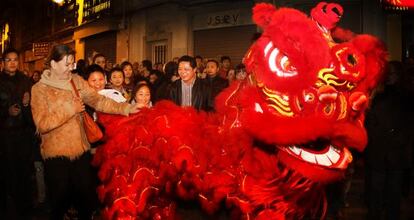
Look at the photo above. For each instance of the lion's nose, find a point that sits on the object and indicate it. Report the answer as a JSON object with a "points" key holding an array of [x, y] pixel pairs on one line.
{"points": [[327, 94]]}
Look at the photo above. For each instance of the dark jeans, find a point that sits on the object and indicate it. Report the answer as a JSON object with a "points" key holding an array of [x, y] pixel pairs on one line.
{"points": [[71, 183], [384, 192], [16, 174]]}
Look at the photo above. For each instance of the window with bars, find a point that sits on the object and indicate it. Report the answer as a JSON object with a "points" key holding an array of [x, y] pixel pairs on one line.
{"points": [[159, 52]]}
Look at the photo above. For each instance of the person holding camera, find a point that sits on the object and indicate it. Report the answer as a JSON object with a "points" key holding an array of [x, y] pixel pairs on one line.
{"points": [[17, 135]]}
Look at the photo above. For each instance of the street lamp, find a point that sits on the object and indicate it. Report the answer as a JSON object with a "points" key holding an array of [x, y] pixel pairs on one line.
{"points": [[59, 2]]}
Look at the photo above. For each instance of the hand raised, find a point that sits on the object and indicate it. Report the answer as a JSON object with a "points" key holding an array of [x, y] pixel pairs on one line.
{"points": [[135, 108], [26, 99], [14, 110]]}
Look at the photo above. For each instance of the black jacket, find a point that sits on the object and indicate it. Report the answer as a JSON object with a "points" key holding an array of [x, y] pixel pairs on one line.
{"points": [[12, 89], [217, 84], [17, 133], [200, 97]]}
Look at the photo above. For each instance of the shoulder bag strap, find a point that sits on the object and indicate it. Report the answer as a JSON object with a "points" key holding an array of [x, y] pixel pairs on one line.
{"points": [[74, 88], [77, 94]]}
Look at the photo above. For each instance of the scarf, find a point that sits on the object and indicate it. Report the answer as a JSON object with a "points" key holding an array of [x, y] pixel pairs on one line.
{"points": [[57, 83]]}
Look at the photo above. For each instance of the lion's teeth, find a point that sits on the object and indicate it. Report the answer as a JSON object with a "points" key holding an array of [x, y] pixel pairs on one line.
{"points": [[323, 160], [309, 157], [332, 155], [295, 150]]}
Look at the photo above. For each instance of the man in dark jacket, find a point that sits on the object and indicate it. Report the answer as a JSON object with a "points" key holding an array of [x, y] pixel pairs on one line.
{"points": [[16, 139], [190, 90], [214, 81]]}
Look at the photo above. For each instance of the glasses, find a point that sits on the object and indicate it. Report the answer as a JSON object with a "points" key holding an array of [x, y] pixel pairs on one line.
{"points": [[10, 60]]}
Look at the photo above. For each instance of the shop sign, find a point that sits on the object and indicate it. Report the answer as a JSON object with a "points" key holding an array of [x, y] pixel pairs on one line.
{"points": [[93, 9], [41, 49], [223, 19], [401, 3]]}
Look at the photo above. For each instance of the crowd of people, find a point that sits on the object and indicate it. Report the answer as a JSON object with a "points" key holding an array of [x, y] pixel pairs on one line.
{"points": [[46, 114], [163, 80], [41, 124]]}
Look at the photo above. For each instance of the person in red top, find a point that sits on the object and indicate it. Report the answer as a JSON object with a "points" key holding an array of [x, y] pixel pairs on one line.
{"points": [[225, 67]]}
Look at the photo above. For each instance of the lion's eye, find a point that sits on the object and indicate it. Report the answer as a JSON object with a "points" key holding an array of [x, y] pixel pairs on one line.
{"points": [[351, 60], [278, 62], [286, 65]]}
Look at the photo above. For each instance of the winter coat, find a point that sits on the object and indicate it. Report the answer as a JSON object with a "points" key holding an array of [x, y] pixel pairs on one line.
{"points": [[12, 89], [217, 84], [200, 97], [60, 127]]}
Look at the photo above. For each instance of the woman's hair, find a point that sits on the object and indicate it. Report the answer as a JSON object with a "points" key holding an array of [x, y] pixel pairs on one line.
{"points": [[58, 52], [239, 67], [157, 73], [147, 64], [124, 64], [81, 64], [137, 88], [171, 68], [93, 68], [80, 68]]}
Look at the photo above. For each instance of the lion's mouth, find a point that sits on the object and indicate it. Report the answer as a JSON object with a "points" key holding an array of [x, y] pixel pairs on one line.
{"points": [[328, 156]]}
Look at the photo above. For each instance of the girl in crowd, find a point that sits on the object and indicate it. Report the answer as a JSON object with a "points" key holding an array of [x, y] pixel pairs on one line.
{"points": [[145, 68], [129, 81], [36, 76], [65, 149], [231, 76], [240, 72], [142, 95], [116, 79]]}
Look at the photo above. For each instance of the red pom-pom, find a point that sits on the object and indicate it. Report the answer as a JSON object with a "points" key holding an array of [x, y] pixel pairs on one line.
{"points": [[262, 14]]}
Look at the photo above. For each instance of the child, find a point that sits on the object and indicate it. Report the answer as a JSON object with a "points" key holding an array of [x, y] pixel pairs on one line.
{"points": [[116, 79], [142, 95]]}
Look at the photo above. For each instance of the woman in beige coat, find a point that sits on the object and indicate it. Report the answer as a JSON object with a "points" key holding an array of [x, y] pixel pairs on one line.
{"points": [[57, 115]]}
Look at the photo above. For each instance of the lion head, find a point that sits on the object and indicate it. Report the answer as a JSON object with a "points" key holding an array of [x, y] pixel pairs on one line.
{"points": [[306, 93]]}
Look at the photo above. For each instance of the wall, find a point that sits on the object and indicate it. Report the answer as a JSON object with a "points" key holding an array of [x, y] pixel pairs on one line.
{"points": [[168, 21], [80, 49], [175, 23], [136, 29], [122, 48]]}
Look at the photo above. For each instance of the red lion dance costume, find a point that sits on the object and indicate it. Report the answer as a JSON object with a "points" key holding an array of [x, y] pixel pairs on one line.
{"points": [[274, 140]]}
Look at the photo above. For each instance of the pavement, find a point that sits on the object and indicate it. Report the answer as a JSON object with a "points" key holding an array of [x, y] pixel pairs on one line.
{"points": [[353, 209]]}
